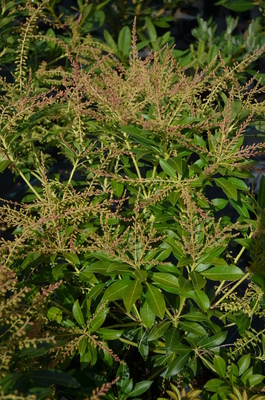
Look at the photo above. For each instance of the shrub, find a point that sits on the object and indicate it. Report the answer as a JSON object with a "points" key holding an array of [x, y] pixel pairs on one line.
{"points": [[123, 272]]}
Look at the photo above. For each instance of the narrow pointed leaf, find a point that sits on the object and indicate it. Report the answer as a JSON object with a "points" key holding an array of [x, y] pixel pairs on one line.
{"points": [[131, 294], [177, 365], [115, 291], [78, 315], [220, 366], [159, 330], [147, 315], [228, 188], [155, 300], [230, 273]]}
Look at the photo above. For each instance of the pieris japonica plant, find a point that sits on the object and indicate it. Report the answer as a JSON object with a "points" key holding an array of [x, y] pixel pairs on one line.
{"points": [[124, 276]]}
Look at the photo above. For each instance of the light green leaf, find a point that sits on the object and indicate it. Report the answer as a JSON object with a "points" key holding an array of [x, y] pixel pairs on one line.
{"points": [[4, 162], [117, 187], [202, 300], [98, 320], [155, 300], [243, 364], [167, 168], [168, 281], [78, 315], [95, 291], [219, 203], [220, 366], [131, 294], [55, 314], [228, 188], [194, 328], [124, 40], [147, 315], [72, 258], [115, 290], [230, 273], [159, 330], [110, 334], [151, 29], [214, 385], [82, 345]]}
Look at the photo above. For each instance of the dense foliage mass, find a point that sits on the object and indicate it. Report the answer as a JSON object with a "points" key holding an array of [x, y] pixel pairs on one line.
{"points": [[123, 277]]}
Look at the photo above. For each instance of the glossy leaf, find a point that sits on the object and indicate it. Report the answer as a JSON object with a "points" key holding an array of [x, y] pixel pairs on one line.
{"points": [[230, 273], [71, 258], [167, 168], [147, 315], [96, 322], [159, 330], [140, 388], [177, 365], [115, 290], [124, 40], [131, 294], [228, 188], [155, 300], [220, 366], [193, 327], [78, 315]]}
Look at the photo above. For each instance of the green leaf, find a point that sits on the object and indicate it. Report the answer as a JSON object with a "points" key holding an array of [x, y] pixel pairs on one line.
{"points": [[159, 330], [243, 364], [140, 388], [72, 258], [202, 300], [147, 315], [261, 194], [117, 187], [82, 345], [167, 168], [131, 294], [228, 188], [124, 40], [177, 365], [96, 322], [255, 379], [78, 315], [167, 281], [214, 341], [173, 197], [115, 291], [110, 334], [54, 377], [194, 328], [4, 162], [230, 273], [110, 41], [55, 314], [95, 291], [220, 366], [151, 29], [238, 183], [219, 203], [100, 267], [172, 339], [237, 5], [155, 300], [214, 385], [197, 280]]}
